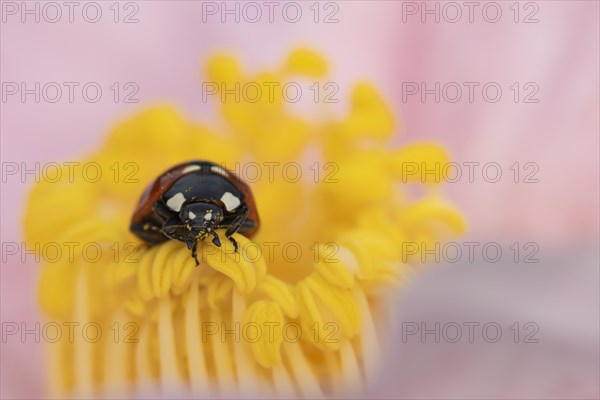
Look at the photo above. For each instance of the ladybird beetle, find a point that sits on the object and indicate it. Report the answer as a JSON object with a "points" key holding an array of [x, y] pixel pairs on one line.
{"points": [[189, 201]]}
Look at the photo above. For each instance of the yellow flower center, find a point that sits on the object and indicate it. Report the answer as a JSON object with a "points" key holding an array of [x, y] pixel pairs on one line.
{"points": [[298, 311]]}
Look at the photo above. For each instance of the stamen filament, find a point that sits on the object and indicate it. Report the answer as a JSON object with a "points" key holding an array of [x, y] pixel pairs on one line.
{"points": [[195, 349]]}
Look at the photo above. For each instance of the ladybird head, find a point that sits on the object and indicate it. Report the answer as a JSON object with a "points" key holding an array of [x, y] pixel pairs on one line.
{"points": [[201, 218]]}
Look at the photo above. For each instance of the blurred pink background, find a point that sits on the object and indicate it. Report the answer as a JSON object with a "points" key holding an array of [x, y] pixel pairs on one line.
{"points": [[381, 42]]}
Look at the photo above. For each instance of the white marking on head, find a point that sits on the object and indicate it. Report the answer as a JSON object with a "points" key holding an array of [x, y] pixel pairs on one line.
{"points": [[175, 202], [208, 215], [191, 215], [218, 170], [191, 168], [231, 202]]}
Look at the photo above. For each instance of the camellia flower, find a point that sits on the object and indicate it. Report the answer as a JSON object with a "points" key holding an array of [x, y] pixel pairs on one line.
{"points": [[301, 309]]}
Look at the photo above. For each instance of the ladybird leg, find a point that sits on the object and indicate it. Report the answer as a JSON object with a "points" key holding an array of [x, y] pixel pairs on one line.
{"points": [[148, 232], [192, 244], [195, 253], [236, 224], [238, 221], [162, 210], [234, 243], [190, 241], [216, 241], [173, 228]]}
